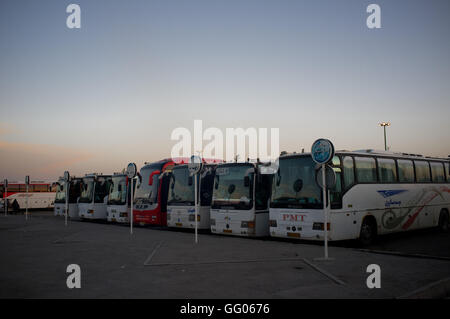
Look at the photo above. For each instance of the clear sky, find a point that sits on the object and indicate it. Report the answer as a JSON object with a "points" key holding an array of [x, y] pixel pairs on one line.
{"points": [[96, 98]]}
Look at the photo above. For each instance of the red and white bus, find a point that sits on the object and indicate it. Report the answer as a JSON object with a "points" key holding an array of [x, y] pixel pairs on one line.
{"points": [[41, 195], [150, 199]]}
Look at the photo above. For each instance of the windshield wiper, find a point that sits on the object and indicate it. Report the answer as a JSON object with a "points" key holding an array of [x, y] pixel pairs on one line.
{"points": [[285, 199], [181, 202]]}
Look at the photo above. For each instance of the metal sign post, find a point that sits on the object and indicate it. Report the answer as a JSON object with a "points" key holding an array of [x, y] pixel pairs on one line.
{"points": [[27, 182], [325, 209], [322, 152], [131, 206], [5, 202], [131, 173], [196, 208], [66, 181], [195, 166]]}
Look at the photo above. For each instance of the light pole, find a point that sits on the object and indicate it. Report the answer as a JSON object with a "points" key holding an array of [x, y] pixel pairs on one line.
{"points": [[384, 124]]}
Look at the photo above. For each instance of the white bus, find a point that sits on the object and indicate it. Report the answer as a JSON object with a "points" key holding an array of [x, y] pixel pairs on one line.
{"points": [[74, 194], [94, 196], [240, 199], [119, 199], [41, 195], [376, 193], [181, 198]]}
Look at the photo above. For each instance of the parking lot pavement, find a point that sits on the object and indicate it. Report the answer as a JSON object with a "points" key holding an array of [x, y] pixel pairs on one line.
{"points": [[160, 263]]}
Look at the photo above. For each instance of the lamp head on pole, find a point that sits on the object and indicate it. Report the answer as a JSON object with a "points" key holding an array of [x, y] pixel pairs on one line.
{"points": [[384, 124]]}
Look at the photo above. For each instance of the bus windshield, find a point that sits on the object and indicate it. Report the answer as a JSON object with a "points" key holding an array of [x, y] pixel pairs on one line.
{"points": [[88, 190], [230, 190], [60, 193], [74, 190], [146, 193], [118, 191], [180, 192], [102, 185], [295, 185]]}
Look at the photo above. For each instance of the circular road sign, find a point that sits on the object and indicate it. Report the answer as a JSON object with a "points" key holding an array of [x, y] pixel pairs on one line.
{"points": [[330, 177], [131, 170], [322, 151], [195, 165]]}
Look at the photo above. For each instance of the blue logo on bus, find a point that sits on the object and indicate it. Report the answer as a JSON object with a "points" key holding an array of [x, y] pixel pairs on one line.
{"points": [[389, 193]]}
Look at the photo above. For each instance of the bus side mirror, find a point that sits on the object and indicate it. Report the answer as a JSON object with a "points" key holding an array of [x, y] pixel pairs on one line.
{"points": [[216, 182], [278, 178], [298, 185], [246, 181], [190, 180]]}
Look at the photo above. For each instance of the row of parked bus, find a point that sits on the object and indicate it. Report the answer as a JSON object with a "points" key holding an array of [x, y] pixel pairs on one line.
{"points": [[375, 193], [19, 195]]}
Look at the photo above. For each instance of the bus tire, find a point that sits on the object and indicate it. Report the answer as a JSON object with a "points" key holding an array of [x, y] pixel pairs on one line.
{"points": [[368, 231], [444, 221]]}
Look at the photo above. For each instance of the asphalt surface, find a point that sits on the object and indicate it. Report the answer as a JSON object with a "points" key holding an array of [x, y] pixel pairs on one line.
{"points": [[161, 263]]}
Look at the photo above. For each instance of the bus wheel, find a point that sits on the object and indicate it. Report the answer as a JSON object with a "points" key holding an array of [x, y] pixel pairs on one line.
{"points": [[368, 231], [444, 221]]}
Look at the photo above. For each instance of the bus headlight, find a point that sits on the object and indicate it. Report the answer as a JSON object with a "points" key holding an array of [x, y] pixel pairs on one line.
{"points": [[213, 222], [273, 223], [319, 226], [123, 214]]}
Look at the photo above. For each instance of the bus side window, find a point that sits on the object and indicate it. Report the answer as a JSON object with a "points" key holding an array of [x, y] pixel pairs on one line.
{"points": [[386, 170], [349, 173], [405, 171], [263, 189], [365, 170], [336, 161], [437, 172], [448, 171], [422, 171], [207, 189], [165, 181], [40, 188], [13, 188], [336, 192]]}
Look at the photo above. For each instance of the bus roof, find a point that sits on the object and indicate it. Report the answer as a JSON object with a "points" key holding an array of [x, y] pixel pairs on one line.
{"points": [[377, 153]]}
